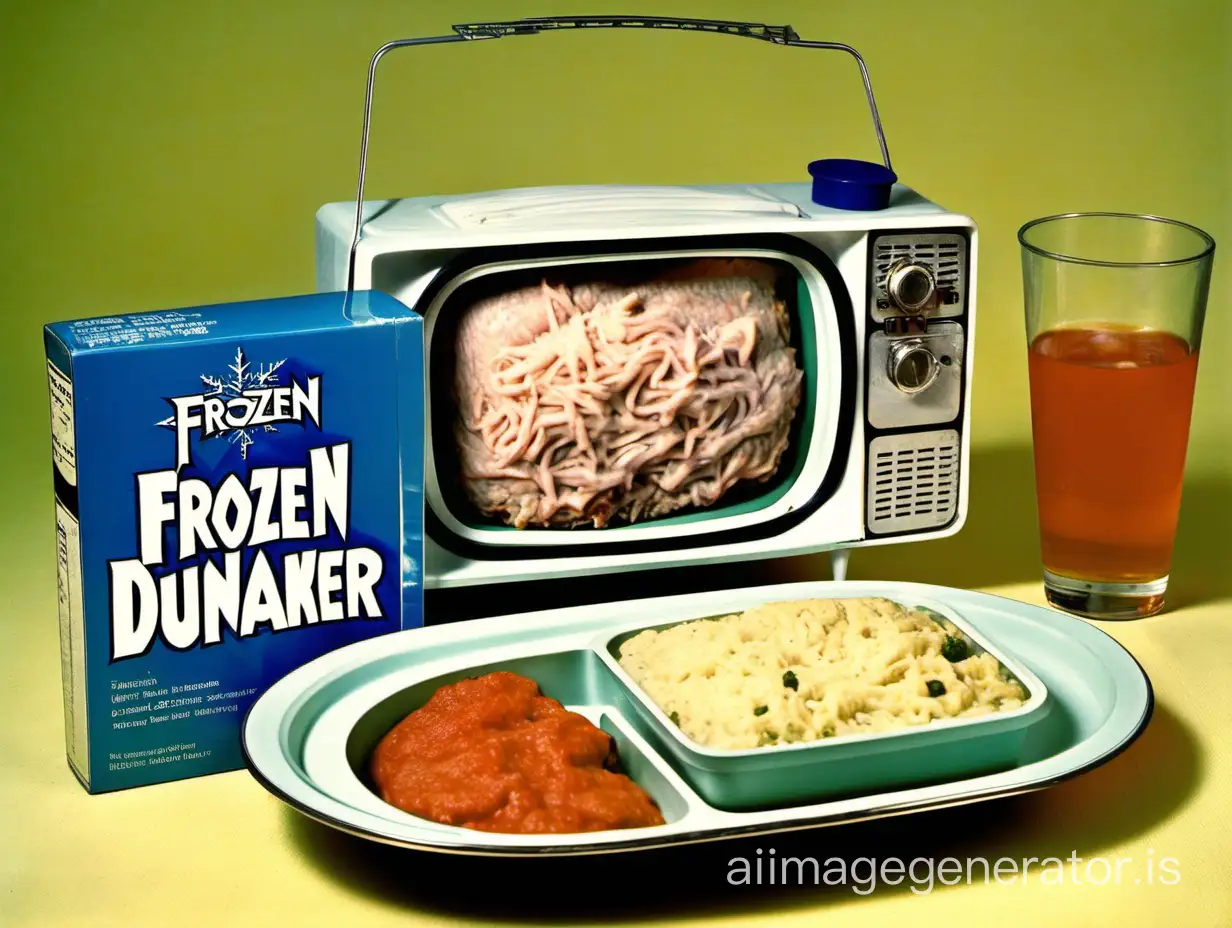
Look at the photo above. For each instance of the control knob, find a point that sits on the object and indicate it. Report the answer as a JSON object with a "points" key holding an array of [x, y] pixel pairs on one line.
{"points": [[912, 366], [911, 287]]}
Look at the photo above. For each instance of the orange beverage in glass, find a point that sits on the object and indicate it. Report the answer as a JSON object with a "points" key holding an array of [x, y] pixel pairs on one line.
{"points": [[1114, 319]]}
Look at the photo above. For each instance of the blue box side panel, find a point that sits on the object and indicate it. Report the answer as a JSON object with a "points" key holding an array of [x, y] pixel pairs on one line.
{"points": [[68, 560], [173, 708], [57, 353], [409, 347]]}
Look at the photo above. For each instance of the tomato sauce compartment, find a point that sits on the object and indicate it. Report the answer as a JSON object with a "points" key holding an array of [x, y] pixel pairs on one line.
{"points": [[578, 682]]}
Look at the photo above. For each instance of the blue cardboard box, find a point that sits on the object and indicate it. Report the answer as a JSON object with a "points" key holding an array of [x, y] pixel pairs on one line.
{"points": [[238, 489]]}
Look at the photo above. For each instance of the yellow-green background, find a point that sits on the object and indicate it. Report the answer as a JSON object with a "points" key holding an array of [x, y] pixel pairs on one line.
{"points": [[163, 154], [155, 155]]}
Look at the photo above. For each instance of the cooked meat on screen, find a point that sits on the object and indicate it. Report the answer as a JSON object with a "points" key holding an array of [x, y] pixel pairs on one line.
{"points": [[602, 403]]}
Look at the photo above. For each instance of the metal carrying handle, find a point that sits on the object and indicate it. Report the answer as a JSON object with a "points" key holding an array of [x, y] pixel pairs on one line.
{"points": [[467, 32]]}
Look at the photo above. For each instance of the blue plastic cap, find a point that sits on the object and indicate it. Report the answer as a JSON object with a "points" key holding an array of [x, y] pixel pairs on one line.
{"points": [[842, 183]]}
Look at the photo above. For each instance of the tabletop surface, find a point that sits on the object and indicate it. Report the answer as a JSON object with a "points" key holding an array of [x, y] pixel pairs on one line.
{"points": [[220, 850]]}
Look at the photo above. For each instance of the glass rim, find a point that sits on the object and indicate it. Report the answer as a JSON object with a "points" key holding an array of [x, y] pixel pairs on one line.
{"points": [[1207, 250]]}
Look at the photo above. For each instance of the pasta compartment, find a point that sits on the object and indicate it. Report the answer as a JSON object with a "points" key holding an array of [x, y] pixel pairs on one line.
{"points": [[803, 468], [841, 764], [1036, 693]]}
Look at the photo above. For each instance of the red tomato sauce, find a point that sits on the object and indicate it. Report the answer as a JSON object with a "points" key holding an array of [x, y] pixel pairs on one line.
{"points": [[494, 754]]}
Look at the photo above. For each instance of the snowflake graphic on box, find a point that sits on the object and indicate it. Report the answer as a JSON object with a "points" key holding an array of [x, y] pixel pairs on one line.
{"points": [[240, 377]]}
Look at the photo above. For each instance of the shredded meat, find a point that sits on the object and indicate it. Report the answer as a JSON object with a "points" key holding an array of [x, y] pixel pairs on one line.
{"points": [[581, 405]]}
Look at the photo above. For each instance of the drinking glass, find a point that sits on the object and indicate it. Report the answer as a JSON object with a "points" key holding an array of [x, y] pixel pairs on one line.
{"points": [[1114, 305]]}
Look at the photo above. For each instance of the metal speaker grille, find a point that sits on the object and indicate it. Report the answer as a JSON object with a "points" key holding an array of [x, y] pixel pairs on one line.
{"points": [[912, 481], [943, 253]]}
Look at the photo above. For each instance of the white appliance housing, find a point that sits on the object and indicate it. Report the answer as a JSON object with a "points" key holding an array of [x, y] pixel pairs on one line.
{"points": [[886, 312]]}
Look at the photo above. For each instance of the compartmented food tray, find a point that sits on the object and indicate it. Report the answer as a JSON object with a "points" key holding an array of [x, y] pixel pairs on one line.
{"points": [[310, 736]]}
